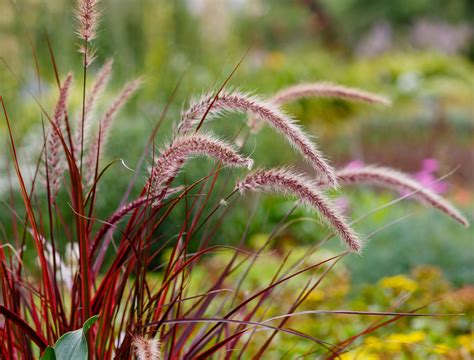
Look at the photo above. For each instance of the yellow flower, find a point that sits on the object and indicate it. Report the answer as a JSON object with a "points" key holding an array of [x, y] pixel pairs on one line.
{"points": [[374, 344], [409, 338], [441, 349], [466, 342], [396, 342], [398, 283], [359, 354]]}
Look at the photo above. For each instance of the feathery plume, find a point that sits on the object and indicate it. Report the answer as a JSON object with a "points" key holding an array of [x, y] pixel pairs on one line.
{"points": [[87, 15], [287, 182], [399, 181], [56, 164], [97, 148], [266, 111], [102, 78], [89, 55], [325, 89], [146, 349], [172, 159]]}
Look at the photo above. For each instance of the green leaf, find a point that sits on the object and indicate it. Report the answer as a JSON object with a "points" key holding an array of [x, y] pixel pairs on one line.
{"points": [[48, 354], [73, 345]]}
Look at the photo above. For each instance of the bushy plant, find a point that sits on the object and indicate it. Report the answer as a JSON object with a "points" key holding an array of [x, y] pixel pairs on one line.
{"points": [[139, 299]]}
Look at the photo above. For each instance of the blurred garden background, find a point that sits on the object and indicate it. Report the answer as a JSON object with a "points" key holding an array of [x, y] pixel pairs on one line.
{"points": [[420, 53]]}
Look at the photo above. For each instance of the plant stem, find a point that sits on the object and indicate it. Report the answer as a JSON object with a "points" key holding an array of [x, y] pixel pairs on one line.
{"points": [[84, 80]]}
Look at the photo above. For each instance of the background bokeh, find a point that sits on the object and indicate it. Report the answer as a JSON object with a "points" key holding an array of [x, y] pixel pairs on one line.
{"points": [[418, 52]]}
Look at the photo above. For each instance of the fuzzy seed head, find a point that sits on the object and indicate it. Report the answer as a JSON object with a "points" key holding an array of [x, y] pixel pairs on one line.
{"points": [[286, 182], [101, 81], [82, 133], [171, 160], [56, 164], [146, 349], [98, 144], [325, 89], [87, 15], [393, 179], [266, 111]]}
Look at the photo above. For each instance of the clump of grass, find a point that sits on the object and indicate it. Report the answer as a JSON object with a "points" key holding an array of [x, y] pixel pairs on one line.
{"points": [[134, 310]]}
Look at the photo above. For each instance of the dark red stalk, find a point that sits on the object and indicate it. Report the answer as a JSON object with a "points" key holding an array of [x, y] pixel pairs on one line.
{"points": [[33, 335], [222, 87], [84, 81], [31, 217], [195, 347]]}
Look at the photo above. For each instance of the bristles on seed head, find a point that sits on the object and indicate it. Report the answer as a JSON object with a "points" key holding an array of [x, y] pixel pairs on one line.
{"points": [[89, 54], [101, 80], [87, 15], [286, 181], [324, 89], [211, 106], [399, 181], [146, 349], [172, 159], [106, 122], [56, 164], [83, 129]]}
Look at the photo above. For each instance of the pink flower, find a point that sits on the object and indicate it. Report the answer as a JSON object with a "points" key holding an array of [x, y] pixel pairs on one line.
{"points": [[354, 164], [426, 176]]}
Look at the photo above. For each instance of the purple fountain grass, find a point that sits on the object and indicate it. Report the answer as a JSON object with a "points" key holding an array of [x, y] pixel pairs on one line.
{"points": [[98, 144], [393, 179], [211, 106], [55, 162], [285, 181], [171, 160], [326, 89], [146, 349], [102, 78], [136, 270]]}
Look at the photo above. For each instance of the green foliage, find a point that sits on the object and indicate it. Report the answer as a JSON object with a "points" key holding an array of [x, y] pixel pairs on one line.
{"points": [[355, 16], [72, 345], [48, 354], [408, 338]]}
